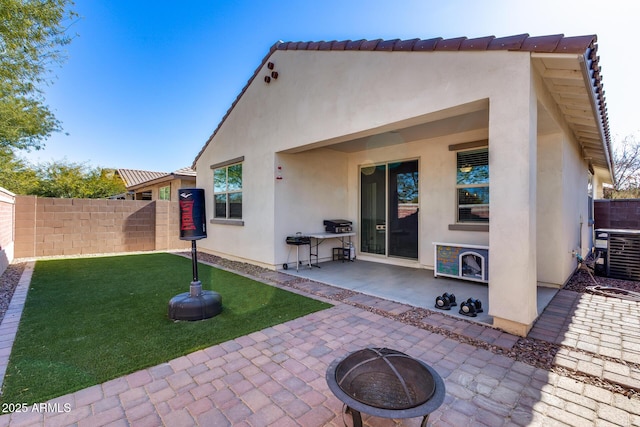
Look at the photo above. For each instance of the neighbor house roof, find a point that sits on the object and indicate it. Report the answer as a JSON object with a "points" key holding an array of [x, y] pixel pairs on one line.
{"points": [[138, 178], [133, 177], [585, 112]]}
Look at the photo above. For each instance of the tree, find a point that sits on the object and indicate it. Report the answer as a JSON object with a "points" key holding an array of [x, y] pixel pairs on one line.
{"points": [[57, 178], [75, 180], [101, 183], [32, 33], [626, 165], [17, 175]]}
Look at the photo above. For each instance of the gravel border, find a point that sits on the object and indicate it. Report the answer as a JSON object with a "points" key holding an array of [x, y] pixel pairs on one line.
{"points": [[8, 283]]}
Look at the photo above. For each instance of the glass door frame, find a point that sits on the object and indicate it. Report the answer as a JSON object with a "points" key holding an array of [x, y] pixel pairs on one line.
{"points": [[386, 164]]}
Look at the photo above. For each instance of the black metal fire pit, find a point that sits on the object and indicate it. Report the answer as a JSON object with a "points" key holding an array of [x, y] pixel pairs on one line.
{"points": [[385, 383]]}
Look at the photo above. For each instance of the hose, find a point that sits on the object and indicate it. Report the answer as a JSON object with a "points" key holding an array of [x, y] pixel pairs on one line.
{"points": [[608, 291]]}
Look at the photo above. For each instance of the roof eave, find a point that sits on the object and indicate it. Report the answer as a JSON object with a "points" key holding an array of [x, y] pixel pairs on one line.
{"points": [[584, 46], [599, 113]]}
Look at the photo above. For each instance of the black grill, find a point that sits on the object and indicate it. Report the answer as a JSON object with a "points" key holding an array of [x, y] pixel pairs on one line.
{"points": [[298, 240]]}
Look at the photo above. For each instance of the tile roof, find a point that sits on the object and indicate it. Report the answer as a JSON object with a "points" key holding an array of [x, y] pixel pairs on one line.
{"points": [[187, 171], [523, 42], [558, 43], [133, 177]]}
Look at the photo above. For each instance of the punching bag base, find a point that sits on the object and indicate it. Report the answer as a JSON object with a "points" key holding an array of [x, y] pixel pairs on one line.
{"points": [[185, 306]]}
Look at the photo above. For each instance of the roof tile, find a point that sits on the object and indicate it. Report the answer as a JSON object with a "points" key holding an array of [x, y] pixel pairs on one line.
{"points": [[542, 44], [295, 46], [403, 45], [575, 44], [450, 44], [341, 45], [507, 43], [354, 44], [480, 43], [427, 45], [387, 45], [370, 44]]}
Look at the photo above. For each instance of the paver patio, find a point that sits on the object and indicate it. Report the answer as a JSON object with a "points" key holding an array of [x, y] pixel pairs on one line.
{"points": [[277, 376]]}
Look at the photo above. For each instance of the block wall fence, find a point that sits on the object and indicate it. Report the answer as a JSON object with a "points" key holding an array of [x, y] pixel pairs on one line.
{"points": [[621, 214], [50, 226]]}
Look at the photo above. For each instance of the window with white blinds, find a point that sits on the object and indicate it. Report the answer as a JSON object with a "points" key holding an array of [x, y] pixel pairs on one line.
{"points": [[472, 186]]}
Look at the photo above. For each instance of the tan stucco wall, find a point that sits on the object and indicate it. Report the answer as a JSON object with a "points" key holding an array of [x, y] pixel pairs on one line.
{"points": [[318, 99], [513, 164], [563, 229], [325, 98]]}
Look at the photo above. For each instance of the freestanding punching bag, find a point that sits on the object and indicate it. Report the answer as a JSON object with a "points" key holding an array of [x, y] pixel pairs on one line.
{"points": [[195, 304]]}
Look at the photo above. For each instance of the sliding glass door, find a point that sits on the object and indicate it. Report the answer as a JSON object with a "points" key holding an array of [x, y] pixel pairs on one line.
{"points": [[389, 209]]}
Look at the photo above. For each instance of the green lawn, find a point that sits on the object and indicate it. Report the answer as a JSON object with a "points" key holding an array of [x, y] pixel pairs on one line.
{"points": [[90, 320]]}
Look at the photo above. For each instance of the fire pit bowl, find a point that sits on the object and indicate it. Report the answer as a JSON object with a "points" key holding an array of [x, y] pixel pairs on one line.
{"points": [[385, 383]]}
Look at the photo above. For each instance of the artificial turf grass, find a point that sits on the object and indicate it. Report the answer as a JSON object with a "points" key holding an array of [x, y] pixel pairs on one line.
{"points": [[90, 320]]}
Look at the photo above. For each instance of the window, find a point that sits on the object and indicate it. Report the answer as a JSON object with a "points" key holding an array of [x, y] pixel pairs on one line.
{"points": [[164, 193], [145, 195], [227, 191], [472, 186]]}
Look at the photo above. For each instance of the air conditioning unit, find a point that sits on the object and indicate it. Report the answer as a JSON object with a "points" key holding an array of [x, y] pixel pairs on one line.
{"points": [[621, 255]]}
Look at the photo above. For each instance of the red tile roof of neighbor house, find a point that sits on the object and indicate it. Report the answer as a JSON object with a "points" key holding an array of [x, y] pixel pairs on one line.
{"points": [[558, 43]]}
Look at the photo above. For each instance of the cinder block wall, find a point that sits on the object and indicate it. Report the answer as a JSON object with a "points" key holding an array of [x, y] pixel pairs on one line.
{"points": [[618, 214], [168, 226], [7, 203], [50, 226]]}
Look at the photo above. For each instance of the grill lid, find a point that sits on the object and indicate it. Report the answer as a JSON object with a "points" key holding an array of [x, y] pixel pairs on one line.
{"points": [[385, 378]]}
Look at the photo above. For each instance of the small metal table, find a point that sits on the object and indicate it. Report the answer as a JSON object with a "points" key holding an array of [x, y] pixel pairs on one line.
{"points": [[321, 237]]}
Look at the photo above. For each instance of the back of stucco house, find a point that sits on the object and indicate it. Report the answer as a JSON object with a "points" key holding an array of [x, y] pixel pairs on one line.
{"points": [[498, 142]]}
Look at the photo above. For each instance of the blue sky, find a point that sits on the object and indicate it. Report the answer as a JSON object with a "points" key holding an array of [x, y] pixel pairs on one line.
{"points": [[147, 82]]}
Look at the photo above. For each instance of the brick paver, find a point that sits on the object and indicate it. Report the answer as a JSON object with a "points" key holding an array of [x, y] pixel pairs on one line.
{"points": [[277, 376]]}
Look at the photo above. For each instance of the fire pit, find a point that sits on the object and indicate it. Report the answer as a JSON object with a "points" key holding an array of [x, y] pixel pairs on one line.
{"points": [[385, 383]]}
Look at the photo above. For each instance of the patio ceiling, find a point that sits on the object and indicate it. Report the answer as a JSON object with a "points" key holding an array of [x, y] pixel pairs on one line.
{"points": [[462, 123], [475, 123]]}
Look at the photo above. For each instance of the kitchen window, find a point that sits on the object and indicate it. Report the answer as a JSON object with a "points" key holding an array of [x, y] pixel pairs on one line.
{"points": [[227, 191], [472, 186]]}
